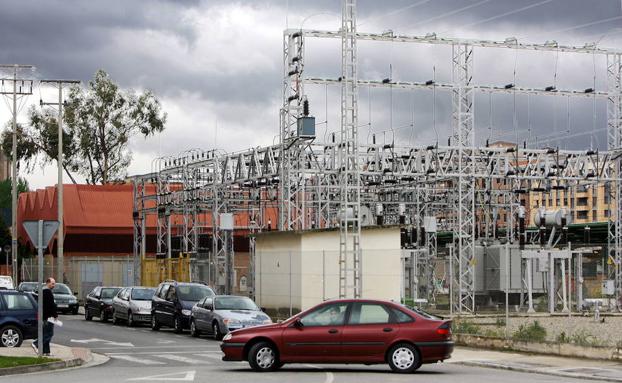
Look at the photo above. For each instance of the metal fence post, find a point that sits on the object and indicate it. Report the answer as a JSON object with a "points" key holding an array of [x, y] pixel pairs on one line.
{"points": [[290, 283]]}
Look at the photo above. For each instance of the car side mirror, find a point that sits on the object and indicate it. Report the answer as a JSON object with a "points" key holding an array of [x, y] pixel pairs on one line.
{"points": [[298, 323]]}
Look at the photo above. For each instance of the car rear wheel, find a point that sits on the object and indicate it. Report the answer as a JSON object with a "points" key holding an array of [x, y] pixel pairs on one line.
{"points": [[87, 314], [263, 357], [193, 329], [11, 336], [216, 331], [155, 326], [177, 325], [130, 319], [404, 358]]}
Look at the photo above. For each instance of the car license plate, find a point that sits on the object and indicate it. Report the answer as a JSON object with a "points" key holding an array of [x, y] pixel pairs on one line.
{"points": [[62, 306]]}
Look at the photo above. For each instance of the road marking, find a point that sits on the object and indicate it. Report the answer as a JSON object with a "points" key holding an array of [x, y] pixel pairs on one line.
{"points": [[179, 358], [136, 360], [107, 342], [212, 356], [164, 341], [188, 376], [163, 352], [135, 347], [329, 375]]}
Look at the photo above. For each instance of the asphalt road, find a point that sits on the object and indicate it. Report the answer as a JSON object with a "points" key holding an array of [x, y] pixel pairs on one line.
{"points": [[139, 354]]}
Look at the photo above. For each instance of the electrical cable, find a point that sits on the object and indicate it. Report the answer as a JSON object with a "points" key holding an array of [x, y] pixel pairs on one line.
{"points": [[505, 14], [400, 10], [451, 13]]}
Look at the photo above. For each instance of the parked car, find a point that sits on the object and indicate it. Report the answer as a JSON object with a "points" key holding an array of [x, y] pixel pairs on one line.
{"points": [[66, 301], [345, 331], [6, 282], [98, 303], [172, 303], [132, 304], [18, 318], [28, 287], [224, 313]]}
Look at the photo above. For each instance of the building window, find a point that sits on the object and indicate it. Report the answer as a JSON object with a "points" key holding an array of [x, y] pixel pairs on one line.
{"points": [[582, 214], [607, 213], [594, 216], [607, 198], [594, 201], [557, 201], [582, 201]]}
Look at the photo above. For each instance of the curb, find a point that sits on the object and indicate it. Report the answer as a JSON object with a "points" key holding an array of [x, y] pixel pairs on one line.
{"points": [[41, 367], [538, 371]]}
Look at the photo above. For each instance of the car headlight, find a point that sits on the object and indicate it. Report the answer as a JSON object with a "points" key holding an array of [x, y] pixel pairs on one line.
{"points": [[186, 312], [231, 322], [227, 337]]}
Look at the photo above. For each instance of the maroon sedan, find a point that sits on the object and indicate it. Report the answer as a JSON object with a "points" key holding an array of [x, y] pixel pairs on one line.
{"points": [[345, 331]]}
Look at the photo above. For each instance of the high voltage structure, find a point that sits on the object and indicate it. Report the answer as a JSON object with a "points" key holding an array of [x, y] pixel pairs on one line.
{"points": [[334, 184]]}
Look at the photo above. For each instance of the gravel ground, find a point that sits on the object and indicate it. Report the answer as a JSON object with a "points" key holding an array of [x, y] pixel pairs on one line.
{"points": [[607, 332]]}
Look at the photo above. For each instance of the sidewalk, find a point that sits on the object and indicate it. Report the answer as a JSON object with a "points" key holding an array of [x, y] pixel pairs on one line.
{"points": [[541, 364], [69, 357]]}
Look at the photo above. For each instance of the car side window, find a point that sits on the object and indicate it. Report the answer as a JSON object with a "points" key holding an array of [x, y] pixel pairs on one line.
{"points": [[170, 296], [202, 302], [163, 292], [17, 302], [401, 317], [327, 315], [369, 313]]}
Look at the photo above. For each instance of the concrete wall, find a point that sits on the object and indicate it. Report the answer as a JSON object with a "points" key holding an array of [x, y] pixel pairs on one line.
{"points": [[314, 257]]}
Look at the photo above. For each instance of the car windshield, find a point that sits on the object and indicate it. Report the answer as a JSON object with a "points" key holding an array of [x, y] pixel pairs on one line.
{"points": [[109, 293], [142, 294], [28, 286], [193, 293], [234, 303], [424, 314], [61, 289]]}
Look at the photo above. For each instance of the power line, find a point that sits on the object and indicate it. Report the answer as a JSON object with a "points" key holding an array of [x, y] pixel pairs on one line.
{"points": [[451, 13], [581, 25], [395, 11], [506, 14]]}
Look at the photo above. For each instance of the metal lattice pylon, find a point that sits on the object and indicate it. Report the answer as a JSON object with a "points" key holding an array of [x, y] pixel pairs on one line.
{"points": [[350, 281], [463, 138]]}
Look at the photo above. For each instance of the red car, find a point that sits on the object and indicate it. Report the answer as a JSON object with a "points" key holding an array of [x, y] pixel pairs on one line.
{"points": [[345, 331]]}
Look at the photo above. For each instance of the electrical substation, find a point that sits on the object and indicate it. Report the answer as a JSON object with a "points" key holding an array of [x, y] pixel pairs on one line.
{"points": [[461, 220]]}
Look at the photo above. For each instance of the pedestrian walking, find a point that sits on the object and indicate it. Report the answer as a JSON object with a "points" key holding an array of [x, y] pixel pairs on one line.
{"points": [[49, 311]]}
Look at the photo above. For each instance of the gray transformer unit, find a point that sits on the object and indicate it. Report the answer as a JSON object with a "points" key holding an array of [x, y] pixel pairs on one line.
{"points": [[490, 271]]}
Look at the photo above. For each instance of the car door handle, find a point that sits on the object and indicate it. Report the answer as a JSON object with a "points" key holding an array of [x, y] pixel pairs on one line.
{"points": [[333, 331], [387, 329]]}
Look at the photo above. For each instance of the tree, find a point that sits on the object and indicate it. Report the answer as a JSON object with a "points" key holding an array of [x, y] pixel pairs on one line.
{"points": [[99, 122]]}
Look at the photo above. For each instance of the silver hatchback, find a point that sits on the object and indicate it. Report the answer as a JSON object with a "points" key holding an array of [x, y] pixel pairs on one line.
{"points": [[133, 305]]}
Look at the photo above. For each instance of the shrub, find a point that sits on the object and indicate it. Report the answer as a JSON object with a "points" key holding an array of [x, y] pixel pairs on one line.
{"points": [[465, 327], [530, 333]]}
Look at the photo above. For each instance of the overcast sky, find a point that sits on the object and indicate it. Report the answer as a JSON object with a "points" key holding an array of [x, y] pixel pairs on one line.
{"points": [[217, 65]]}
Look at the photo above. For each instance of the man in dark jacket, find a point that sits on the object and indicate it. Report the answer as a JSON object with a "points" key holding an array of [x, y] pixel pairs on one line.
{"points": [[49, 311]]}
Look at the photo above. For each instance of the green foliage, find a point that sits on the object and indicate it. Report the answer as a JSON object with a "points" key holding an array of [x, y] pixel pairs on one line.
{"points": [[533, 332], [580, 338], [98, 124], [6, 189], [463, 326], [500, 322], [14, 361]]}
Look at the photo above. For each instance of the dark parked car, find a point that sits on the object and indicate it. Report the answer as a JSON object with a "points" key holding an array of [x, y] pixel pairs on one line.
{"points": [[345, 331], [18, 318], [99, 303], [66, 301], [223, 313], [133, 305], [28, 287], [172, 302]]}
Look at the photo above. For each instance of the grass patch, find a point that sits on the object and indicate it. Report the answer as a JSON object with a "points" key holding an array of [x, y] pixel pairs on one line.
{"points": [[463, 326], [15, 361], [533, 332]]}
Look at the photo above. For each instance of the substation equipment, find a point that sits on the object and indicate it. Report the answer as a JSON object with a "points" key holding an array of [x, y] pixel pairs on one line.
{"points": [[339, 182]]}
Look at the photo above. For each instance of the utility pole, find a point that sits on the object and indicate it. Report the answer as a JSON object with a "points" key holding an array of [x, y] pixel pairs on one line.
{"points": [[24, 89], [60, 270]]}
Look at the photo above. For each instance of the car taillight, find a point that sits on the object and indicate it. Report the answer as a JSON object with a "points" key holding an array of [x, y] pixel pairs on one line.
{"points": [[444, 329]]}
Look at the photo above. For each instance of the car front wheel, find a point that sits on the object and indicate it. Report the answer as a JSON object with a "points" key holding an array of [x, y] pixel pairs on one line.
{"points": [[404, 358], [87, 314], [177, 325], [130, 319], [193, 329], [263, 357], [155, 326], [11, 336]]}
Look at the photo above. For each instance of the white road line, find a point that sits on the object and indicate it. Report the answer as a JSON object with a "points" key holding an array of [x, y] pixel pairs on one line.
{"points": [[164, 352], [217, 356], [179, 358], [136, 360], [155, 347]]}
